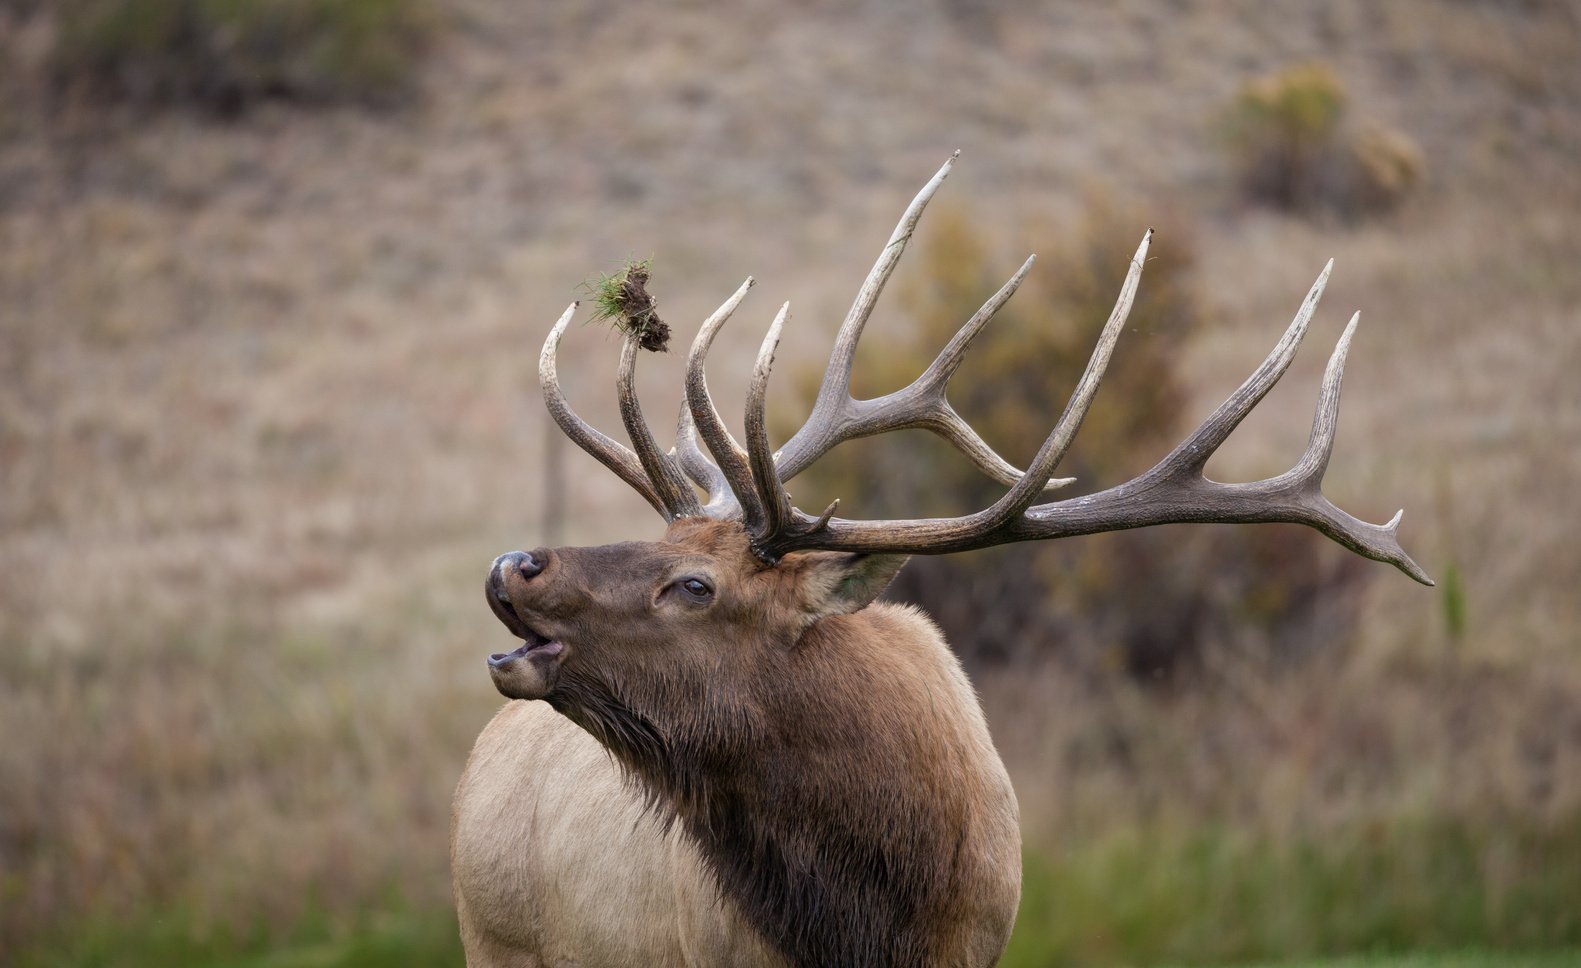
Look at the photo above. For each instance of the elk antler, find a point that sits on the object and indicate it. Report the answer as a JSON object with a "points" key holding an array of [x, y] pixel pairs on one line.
{"points": [[1174, 491], [750, 483]]}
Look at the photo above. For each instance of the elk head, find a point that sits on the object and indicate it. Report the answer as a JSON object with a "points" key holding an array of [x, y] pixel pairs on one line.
{"points": [[620, 636]]}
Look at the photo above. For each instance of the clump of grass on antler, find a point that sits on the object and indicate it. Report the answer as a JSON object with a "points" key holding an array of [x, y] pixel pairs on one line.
{"points": [[622, 297]]}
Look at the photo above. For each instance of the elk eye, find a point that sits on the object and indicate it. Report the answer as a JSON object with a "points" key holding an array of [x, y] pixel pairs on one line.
{"points": [[696, 588]]}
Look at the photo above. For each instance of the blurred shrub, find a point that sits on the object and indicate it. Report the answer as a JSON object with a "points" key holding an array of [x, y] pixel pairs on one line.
{"points": [[1383, 167], [1149, 601], [1295, 148], [1283, 130], [225, 55]]}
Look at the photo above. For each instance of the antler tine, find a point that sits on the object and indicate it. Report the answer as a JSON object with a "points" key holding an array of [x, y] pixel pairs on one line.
{"points": [[920, 404], [1176, 490], [1025, 491], [933, 382], [1325, 420], [834, 394], [771, 492], [732, 462], [1379, 542], [938, 373], [610, 453], [722, 502], [673, 490], [1193, 453]]}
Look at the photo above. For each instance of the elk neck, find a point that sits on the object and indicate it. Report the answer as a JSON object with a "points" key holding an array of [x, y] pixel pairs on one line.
{"points": [[841, 787]]}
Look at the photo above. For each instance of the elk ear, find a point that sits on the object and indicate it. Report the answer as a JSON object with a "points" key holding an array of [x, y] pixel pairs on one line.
{"points": [[839, 583]]}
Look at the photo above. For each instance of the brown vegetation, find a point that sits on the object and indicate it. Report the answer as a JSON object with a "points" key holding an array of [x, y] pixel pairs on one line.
{"points": [[226, 57], [262, 390], [1297, 146]]}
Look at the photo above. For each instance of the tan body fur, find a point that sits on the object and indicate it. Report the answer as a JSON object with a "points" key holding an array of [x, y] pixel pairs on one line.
{"points": [[558, 861]]}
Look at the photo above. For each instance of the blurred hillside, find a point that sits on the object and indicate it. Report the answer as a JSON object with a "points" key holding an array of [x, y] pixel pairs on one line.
{"points": [[268, 409]]}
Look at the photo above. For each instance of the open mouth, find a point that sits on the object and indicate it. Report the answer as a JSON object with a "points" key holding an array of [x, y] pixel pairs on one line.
{"points": [[533, 645]]}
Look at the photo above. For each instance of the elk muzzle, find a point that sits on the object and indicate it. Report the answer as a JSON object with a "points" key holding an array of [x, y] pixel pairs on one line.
{"points": [[530, 671]]}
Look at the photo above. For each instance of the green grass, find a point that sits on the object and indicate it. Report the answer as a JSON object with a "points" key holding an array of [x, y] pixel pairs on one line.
{"points": [[386, 940], [1213, 896], [431, 942], [379, 953], [401, 938], [1405, 893], [420, 944], [1455, 959], [1401, 893]]}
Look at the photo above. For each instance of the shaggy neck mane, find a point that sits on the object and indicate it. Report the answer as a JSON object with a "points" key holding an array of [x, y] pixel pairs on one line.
{"points": [[822, 811]]}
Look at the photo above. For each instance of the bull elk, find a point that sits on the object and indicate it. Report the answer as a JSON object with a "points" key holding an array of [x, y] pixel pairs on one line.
{"points": [[741, 757]]}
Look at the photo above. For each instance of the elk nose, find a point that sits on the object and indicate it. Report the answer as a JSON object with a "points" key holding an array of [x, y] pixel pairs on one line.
{"points": [[529, 565]]}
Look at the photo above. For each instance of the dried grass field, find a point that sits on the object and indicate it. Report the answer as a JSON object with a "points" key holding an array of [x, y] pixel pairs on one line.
{"points": [[268, 410]]}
